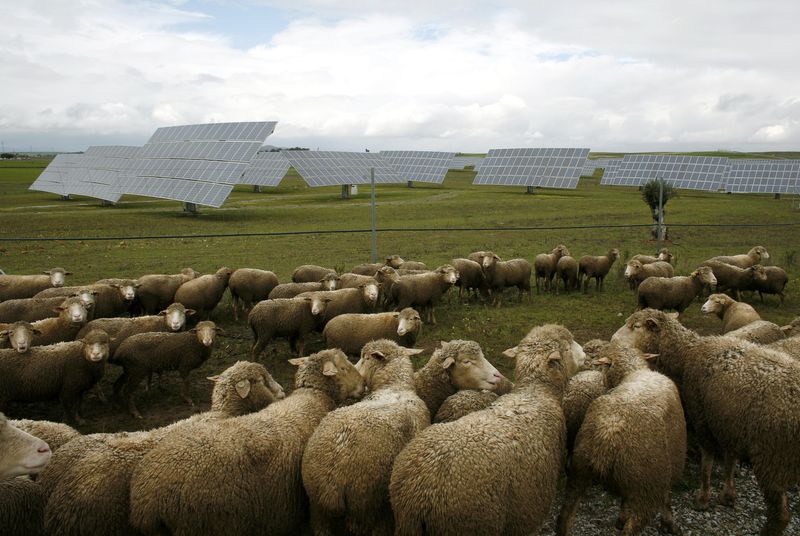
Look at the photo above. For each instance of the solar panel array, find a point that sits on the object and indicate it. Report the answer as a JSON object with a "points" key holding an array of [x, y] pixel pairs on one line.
{"points": [[196, 163], [461, 162], [105, 166], [689, 172], [542, 167], [60, 175], [420, 166], [595, 163], [332, 168], [266, 169], [763, 176]]}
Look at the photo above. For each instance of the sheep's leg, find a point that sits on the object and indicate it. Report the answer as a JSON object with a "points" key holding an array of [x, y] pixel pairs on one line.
{"points": [[321, 523], [127, 393], [432, 315], [300, 343], [70, 401], [728, 495], [778, 514], [185, 388], [635, 524], [258, 347], [235, 307], [668, 524], [576, 487], [703, 496]]}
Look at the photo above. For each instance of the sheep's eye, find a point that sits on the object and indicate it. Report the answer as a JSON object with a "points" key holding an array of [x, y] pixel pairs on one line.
{"points": [[467, 362], [260, 380]]}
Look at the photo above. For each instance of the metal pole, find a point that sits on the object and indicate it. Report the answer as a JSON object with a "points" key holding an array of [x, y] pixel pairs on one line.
{"points": [[374, 217], [660, 212]]}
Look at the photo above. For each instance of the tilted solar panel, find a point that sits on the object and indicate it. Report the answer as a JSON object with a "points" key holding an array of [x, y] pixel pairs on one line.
{"points": [[105, 166], [420, 166], [333, 168], [461, 162], [688, 172], [266, 169], [543, 167], [60, 175], [763, 176]]}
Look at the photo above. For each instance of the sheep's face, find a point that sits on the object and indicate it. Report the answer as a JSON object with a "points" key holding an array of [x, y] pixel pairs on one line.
{"points": [[665, 256], [175, 316], [613, 254], [759, 273], [642, 330], [190, 273], [632, 268], [57, 276], [329, 282], [394, 261], [553, 342], [489, 260], [468, 368], [716, 304], [408, 321], [274, 387], [760, 252], [370, 293], [20, 452], [386, 273], [318, 304], [449, 274], [20, 336], [87, 296], [95, 346], [74, 311], [127, 291], [206, 333], [349, 382], [560, 251], [706, 275]]}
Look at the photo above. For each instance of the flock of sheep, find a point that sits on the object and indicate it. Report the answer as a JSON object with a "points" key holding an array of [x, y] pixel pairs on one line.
{"points": [[377, 447]]}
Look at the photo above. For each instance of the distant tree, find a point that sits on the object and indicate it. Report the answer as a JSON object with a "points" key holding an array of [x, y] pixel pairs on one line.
{"points": [[650, 194], [7, 156]]}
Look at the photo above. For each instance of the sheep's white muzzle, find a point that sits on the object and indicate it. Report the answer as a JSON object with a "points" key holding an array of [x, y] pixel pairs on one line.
{"points": [[708, 307], [628, 271]]}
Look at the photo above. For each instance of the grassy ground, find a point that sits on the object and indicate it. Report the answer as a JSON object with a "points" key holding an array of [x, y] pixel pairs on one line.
{"points": [[295, 207]]}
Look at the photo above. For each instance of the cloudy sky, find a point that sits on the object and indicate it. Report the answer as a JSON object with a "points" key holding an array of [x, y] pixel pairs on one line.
{"points": [[464, 75]]}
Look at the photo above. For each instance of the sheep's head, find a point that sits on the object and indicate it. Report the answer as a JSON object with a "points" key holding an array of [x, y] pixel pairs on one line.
{"points": [[386, 273], [792, 328], [617, 361], [716, 304], [665, 255], [340, 377], [489, 260], [317, 303], [759, 273], [377, 355], [57, 276], [449, 273], [20, 335], [330, 282], [95, 345], [633, 268], [248, 382], [642, 330], [394, 261], [73, 311], [560, 251], [20, 452], [408, 321], [466, 366], [224, 274], [190, 273], [705, 275], [175, 316], [127, 289], [759, 252], [370, 293], [613, 254], [206, 332], [87, 296], [552, 340], [592, 348]]}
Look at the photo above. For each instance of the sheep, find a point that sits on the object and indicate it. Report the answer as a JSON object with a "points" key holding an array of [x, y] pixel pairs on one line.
{"points": [[408, 271], [567, 271], [756, 424], [494, 471], [544, 266], [632, 440], [19, 335], [204, 293], [64, 371], [502, 274], [20, 452], [249, 286], [730, 277], [597, 267], [675, 292], [663, 255], [470, 277], [144, 353], [292, 318], [55, 434], [157, 291], [348, 459], [71, 318], [253, 461], [362, 299], [29, 309], [745, 260], [789, 345], [775, 282], [582, 389], [636, 271], [593, 347], [27, 286], [792, 329], [109, 299], [733, 314], [758, 332], [22, 503], [350, 332], [367, 269], [173, 318], [411, 265], [290, 290], [310, 273], [395, 261], [387, 277], [105, 462], [463, 403], [424, 290], [478, 256], [354, 281], [456, 365]]}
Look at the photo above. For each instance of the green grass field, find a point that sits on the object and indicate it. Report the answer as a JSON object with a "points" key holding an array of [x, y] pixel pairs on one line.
{"points": [[295, 207]]}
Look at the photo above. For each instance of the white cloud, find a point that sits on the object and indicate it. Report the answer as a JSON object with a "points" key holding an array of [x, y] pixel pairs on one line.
{"points": [[436, 75]]}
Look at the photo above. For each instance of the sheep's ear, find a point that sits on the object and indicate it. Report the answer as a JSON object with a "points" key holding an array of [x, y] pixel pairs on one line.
{"points": [[136, 284], [447, 363], [95, 293], [413, 351], [328, 369], [162, 313], [396, 315], [673, 316], [47, 272], [5, 334], [378, 355], [190, 312], [215, 378], [194, 329], [326, 300], [67, 273], [602, 361], [297, 361], [242, 388], [786, 329], [58, 309], [115, 285], [219, 329], [649, 357], [511, 352], [308, 298], [555, 355], [496, 257], [651, 324]]}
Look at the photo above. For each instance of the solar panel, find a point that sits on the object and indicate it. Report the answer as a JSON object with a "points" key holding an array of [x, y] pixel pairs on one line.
{"points": [[763, 176], [688, 172], [266, 169], [196, 164], [332, 168], [543, 167], [60, 175], [610, 170], [597, 163], [104, 167], [420, 166], [461, 162]]}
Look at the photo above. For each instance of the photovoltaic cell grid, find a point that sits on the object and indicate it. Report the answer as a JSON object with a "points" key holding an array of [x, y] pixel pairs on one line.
{"points": [[543, 167], [461, 162], [763, 176], [266, 169], [196, 163], [595, 163], [104, 167], [687, 172], [331, 168], [420, 166], [59, 176]]}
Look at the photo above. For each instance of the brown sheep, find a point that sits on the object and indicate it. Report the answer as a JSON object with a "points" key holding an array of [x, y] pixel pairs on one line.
{"points": [[463, 403], [30, 309], [362, 299], [350, 332], [503, 274], [204, 293], [755, 256], [775, 282], [478, 256], [636, 271], [412, 265], [293, 318], [109, 299], [567, 271], [157, 291], [27, 286], [424, 290], [309, 273], [597, 267], [545, 266], [663, 255], [249, 286], [730, 277], [756, 424], [290, 290], [733, 314], [675, 292], [470, 278], [19, 335], [71, 318], [759, 332], [367, 269]]}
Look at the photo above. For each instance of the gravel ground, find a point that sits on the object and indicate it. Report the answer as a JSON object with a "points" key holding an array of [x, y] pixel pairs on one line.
{"points": [[598, 510]]}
